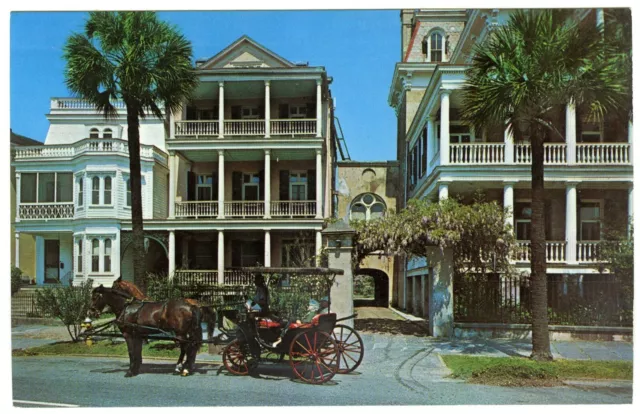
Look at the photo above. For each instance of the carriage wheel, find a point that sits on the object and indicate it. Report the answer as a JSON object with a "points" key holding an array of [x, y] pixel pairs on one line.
{"points": [[351, 348], [314, 356], [235, 358]]}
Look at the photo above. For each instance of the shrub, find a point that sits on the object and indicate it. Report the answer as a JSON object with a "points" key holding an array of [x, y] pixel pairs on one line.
{"points": [[70, 304], [160, 287], [16, 280]]}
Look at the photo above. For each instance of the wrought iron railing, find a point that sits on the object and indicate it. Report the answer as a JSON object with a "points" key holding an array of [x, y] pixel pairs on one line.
{"points": [[45, 211]]}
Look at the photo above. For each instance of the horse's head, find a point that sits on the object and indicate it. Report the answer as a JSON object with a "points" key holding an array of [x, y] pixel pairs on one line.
{"points": [[98, 301]]}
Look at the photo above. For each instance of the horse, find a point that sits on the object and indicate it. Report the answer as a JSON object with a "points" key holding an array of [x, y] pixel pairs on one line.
{"points": [[208, 315], [135, 319]]}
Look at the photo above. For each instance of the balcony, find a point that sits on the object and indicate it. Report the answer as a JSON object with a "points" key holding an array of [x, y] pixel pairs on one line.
{"points": [[45, 211], [586, 252], [245, 209], [203, 130], [196, 209], [91, 146], [208, 277]]}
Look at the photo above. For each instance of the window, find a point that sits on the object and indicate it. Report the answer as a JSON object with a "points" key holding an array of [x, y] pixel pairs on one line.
{"points": [[251, 253], [298, 186], [28, 187], [107, 133], [207, 114], [107, 255], [297, 253], [95, 190], [297, 111], [95, 255], [590, 215], [128, 189], [94, 133], [250, 187], [435, 49], [249, 112], [591, 132], [46, 187], [107, 190], [522, 215], [204, 187], [367, 207], [459, 134], [79, 258], [80, 191]]}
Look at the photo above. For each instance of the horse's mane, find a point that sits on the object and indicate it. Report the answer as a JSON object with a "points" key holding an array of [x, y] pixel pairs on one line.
{"points": [[130, 288]]}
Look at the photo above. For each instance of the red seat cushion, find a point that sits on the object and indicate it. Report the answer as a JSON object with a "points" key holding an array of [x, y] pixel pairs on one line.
{"points": [[268, 323]]}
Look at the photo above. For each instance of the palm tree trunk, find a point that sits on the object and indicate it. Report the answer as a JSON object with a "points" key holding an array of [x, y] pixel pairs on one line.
{"points": [[139, 267], [539, 314]]}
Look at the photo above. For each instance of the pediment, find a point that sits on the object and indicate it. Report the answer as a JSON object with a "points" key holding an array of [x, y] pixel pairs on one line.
{"points": [[246, 53]]}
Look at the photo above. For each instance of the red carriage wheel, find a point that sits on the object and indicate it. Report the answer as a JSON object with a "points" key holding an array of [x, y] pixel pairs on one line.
{"points": [[314, 356], [351, 348], [235, 358]]}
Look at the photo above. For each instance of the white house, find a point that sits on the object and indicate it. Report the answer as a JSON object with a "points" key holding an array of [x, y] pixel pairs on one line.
{"points": [[588, 175], [239, 177]]}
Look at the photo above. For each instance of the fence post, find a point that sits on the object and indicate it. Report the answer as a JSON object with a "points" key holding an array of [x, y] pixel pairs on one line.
{"points": [[440, 291], [339, 249]]}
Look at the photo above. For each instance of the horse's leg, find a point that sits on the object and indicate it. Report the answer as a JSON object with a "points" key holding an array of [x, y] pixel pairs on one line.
{"points": [[137, 347], [183, 351], [130, 348], [195, 340]]}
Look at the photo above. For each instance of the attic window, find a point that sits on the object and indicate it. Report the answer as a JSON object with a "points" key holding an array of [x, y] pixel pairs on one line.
{"points": [[434, 46]]}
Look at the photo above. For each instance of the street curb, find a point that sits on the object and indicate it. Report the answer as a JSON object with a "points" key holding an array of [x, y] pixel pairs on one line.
{"points": [[23, 320], [407, 316], [108, 356], [599, 383]]}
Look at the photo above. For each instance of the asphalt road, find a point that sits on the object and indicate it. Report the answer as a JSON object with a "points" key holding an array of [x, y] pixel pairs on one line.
{"points": [[397, 370]]}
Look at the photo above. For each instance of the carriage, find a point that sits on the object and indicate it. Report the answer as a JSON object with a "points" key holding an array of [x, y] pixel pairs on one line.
{"points": [[317, 350]]}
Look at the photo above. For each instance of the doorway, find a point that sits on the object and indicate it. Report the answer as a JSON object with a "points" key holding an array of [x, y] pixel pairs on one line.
{"points": [[51, 261]]}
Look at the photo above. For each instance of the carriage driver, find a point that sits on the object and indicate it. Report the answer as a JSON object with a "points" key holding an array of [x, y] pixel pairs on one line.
{"points": [[260, 301]]}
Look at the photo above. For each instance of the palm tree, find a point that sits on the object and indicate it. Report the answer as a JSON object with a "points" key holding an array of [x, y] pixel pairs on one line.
{"points": [[522, 76], [134, 57]]}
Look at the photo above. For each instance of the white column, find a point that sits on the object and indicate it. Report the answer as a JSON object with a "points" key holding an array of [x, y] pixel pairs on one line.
{"points": [[18, 197], [267, 184], [172, 185], [571, 223], [318, 247], [508, 146], [431, 140], [600, 17], [172, 253], [221, 184], [17, 259], [444, 126], [40, 260], [172, 124], [115, 255], [221, 109], [630, 214], [508, 203], [267, 109], [443, 191], [318, 108], [220, 257], [318, 183], [630, 141], [414, 297], [571, 132], [267, 248]]}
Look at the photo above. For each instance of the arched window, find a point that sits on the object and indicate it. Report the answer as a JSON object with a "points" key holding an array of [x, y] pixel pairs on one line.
{"points": [[107, 255], [107, 190], [95, 255], [367, 207], [433, 46], [107, 133], [95, 190], [94, 133]]}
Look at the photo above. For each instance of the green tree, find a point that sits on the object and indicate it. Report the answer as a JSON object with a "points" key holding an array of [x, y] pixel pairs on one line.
{"points": [[146, 63], [16, 280], [70, 304], [525, 72]]}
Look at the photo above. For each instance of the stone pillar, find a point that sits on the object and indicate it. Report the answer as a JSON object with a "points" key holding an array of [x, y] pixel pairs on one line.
{"points": [[443, 191], [318, 248], [339, 248], [571, 223], [267, 109], [509, 147], [267, 248], [172, 253], [415, 303], [221, 109], [444, 126], [267, 184], [629, 213], [172, 185], [220, 257], [318, 108], [18, 197], [220, 184], [571, 132], [508, 203], [440, 291], [17, 259], [318, 183], [424, 291]]}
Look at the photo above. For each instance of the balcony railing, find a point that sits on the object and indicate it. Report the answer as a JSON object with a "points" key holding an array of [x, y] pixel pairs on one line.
{"points": [[244, 127], [45, 211], [481, 153], [618, 154], [197, 129], [553, 154], [293, 208], [244, 209], [190, 277], [555, 251], [293, 127], [76, 103], [196, 209], [588, 251]]}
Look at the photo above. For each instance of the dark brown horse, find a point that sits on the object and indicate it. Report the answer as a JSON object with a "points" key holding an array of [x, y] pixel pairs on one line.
{"points": [[137, 319]]}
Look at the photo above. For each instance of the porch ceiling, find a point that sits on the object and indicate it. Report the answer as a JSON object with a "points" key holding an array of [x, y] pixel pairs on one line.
{"points": [[255, 89], [249, 155]]}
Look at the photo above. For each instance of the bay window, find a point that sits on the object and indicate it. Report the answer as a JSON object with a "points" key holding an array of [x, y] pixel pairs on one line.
{"points": [[95, 255], [107, 190]]}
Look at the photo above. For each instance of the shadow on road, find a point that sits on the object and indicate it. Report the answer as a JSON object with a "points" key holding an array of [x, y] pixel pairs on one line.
{"points": [[392, 327]]}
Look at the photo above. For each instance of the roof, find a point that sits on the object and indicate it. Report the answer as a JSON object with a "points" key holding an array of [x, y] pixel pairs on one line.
{"points": [[21, 140], [256, 52]]}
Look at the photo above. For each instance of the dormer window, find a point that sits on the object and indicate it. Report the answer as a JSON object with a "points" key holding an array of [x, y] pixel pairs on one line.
{"points": [[433, 46]]}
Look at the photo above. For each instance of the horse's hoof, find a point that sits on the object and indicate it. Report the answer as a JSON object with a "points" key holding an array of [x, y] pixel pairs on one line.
{"points": [[185, 373], [128, 374]]}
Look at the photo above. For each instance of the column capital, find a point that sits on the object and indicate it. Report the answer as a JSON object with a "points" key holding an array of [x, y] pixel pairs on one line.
{"points": [[510, 182], [18, 175], [318, 82], [318, 152], [572, 184], [221, 84], [445, 92], [17, 235], [267, 83], [267, 152], [221, 153]]}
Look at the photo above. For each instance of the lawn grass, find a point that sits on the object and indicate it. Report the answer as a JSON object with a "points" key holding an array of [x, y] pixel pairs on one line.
{"points": [[158, 349], [515, 371]]}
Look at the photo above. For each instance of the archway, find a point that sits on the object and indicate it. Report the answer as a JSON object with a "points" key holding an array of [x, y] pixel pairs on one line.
{"points": [[380, 292], [156, 260]]}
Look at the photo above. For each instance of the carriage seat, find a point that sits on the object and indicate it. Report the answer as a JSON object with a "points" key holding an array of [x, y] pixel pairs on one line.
{"points": [[267, 323], [321, 318]]}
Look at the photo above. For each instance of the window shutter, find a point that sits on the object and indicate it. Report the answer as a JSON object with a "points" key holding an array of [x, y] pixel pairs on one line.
{"points": [[236, 186], [261, 185], [284, 185], [236, 112], [214, 182], [236, 253], [311, 184], [191, 186], [191, 112], [284, 111]]}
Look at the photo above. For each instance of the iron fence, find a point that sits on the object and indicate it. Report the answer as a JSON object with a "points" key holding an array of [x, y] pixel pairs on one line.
{"points": [[585, 300], [23, 304]]}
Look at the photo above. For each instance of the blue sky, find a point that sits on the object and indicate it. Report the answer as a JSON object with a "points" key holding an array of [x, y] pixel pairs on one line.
{"points": [[358, 48]]}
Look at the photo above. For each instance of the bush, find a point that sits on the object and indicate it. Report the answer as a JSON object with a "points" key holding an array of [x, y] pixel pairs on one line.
{"points": [[69, 304], [16, 280], [160, 287]]}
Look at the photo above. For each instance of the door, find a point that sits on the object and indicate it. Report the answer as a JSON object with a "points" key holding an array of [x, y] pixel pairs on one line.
{"points": [[51, 260]]}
